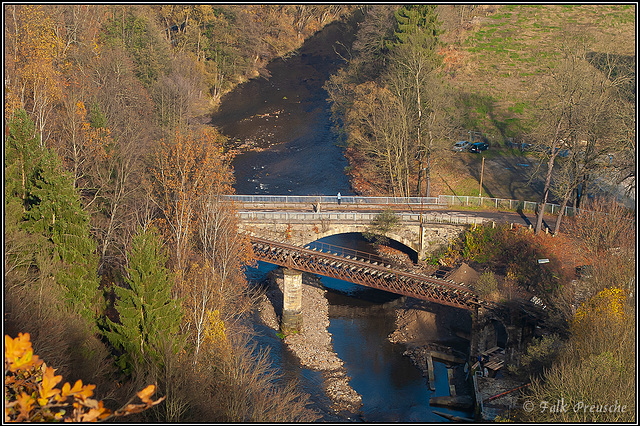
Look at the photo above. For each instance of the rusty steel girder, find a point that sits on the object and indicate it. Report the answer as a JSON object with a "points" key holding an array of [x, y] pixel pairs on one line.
{"points": [[366, 273]]}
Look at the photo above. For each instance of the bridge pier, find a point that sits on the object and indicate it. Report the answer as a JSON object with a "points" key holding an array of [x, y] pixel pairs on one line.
{"points": [[478, 333], [292, 307]]}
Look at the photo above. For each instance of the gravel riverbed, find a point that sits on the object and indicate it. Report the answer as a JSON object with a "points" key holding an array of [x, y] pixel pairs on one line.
{"points": [[313, 346]]}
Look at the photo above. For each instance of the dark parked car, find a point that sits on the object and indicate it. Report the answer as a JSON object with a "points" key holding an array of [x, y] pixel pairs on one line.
{"points": [[478, 147]]}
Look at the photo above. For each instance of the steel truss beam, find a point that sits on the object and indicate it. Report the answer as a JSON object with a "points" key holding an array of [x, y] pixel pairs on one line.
{"points": [[363, 272]]}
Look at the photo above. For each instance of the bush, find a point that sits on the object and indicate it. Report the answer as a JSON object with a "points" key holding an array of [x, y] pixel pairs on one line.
{"points": [[383, 223], [508, 253], [487, 285], [597, 366], [540, 355]]}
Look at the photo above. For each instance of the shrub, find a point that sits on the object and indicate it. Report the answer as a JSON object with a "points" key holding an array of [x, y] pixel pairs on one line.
{"points": [[383, 223], [596, 366], [540, 355], [487, 285]]}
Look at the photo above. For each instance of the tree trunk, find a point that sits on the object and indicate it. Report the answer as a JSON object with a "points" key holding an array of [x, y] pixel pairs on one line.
{"points": [[428, 175], [419, 174], [545, 196], [547, 181], [556, 231]]}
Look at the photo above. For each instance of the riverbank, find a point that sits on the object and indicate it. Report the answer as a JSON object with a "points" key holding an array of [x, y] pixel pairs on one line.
{"points": [[313, 346], [426, 330], [432, 332]]}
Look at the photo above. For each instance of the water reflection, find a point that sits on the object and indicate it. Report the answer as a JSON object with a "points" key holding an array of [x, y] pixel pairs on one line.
{"points": [[392, 388]]}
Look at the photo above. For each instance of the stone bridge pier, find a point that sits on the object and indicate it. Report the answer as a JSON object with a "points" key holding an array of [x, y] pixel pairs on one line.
{"points": [[292, 307]]}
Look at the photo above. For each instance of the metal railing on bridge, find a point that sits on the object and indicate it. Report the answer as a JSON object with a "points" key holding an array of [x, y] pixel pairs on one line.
{"points": [[413, 202], [355, 217], [326, 199]]}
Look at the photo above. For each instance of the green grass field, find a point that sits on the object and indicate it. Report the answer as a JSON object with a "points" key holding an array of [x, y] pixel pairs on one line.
{"points": [[503, 56], [508, 51]]}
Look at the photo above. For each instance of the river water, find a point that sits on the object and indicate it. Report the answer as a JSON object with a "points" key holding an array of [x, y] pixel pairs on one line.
{"points": [[287, 118]]}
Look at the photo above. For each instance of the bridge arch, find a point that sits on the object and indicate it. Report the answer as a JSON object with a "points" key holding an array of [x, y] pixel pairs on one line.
{"points": [[351, 229], [304, 228]]}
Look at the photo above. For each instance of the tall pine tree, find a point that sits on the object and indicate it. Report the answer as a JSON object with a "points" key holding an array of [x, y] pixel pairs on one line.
{"points": [[149, 317], [413, 77], [36, 183], [418, 20]]}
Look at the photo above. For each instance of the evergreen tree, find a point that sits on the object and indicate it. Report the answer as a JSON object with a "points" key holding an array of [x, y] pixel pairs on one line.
{"points": [[51, 209], [413, 77], [418, 20], [149, 317]]}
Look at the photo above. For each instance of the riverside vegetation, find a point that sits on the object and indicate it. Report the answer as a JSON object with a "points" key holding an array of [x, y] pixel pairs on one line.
{"points": [[586, 354], [420, 77], [124, 266]]}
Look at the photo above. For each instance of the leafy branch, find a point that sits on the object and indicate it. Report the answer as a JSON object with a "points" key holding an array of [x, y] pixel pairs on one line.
{"points": [[31, 393]]}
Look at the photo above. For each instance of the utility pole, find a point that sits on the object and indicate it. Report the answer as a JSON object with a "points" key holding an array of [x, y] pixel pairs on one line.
{"points": [[420, 251], [481, 173]]}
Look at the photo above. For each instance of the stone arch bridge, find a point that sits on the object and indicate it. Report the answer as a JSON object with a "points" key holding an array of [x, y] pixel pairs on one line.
{"points": [[421, 232], [280, 227]]}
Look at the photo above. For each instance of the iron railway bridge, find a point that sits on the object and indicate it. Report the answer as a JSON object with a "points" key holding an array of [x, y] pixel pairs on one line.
{"points": [[367, 270]]}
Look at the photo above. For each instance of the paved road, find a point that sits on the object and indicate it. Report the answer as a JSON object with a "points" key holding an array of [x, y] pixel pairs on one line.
{"points": [[523, 218]]}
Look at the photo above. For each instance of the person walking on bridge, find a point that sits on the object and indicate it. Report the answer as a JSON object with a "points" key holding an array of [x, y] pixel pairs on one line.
{"points": [[339, 198]]}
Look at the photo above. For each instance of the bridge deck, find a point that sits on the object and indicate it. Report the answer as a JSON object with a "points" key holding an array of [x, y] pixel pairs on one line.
{"points": [[363, 271]]}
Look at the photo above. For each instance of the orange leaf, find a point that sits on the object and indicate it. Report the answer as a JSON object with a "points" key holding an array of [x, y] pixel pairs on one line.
{"points": [[134, 408], [67, 390], [145, 393], [48, 384], [86, 391], [25, 403], [95, 413], [18, 352]]}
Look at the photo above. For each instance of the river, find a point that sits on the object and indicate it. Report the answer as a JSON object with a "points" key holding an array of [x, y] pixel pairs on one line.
{"points": [[286, 119]]}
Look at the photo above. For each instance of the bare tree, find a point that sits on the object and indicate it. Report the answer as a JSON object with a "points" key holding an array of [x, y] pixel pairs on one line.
{"points": [[221, 282], [594, 136], [413, 77], [624, 159], [372, 39], [378, 127], [563, 107], [179, 94], [123, 109]]}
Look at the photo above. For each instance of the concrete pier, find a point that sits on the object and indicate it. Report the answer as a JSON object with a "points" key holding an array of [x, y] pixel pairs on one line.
{"points": [[432, 375], [292, 307]]}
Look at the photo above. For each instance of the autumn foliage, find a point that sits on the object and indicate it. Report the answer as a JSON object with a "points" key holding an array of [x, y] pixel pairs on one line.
{"points": [[32, 393], [104, 140]]}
